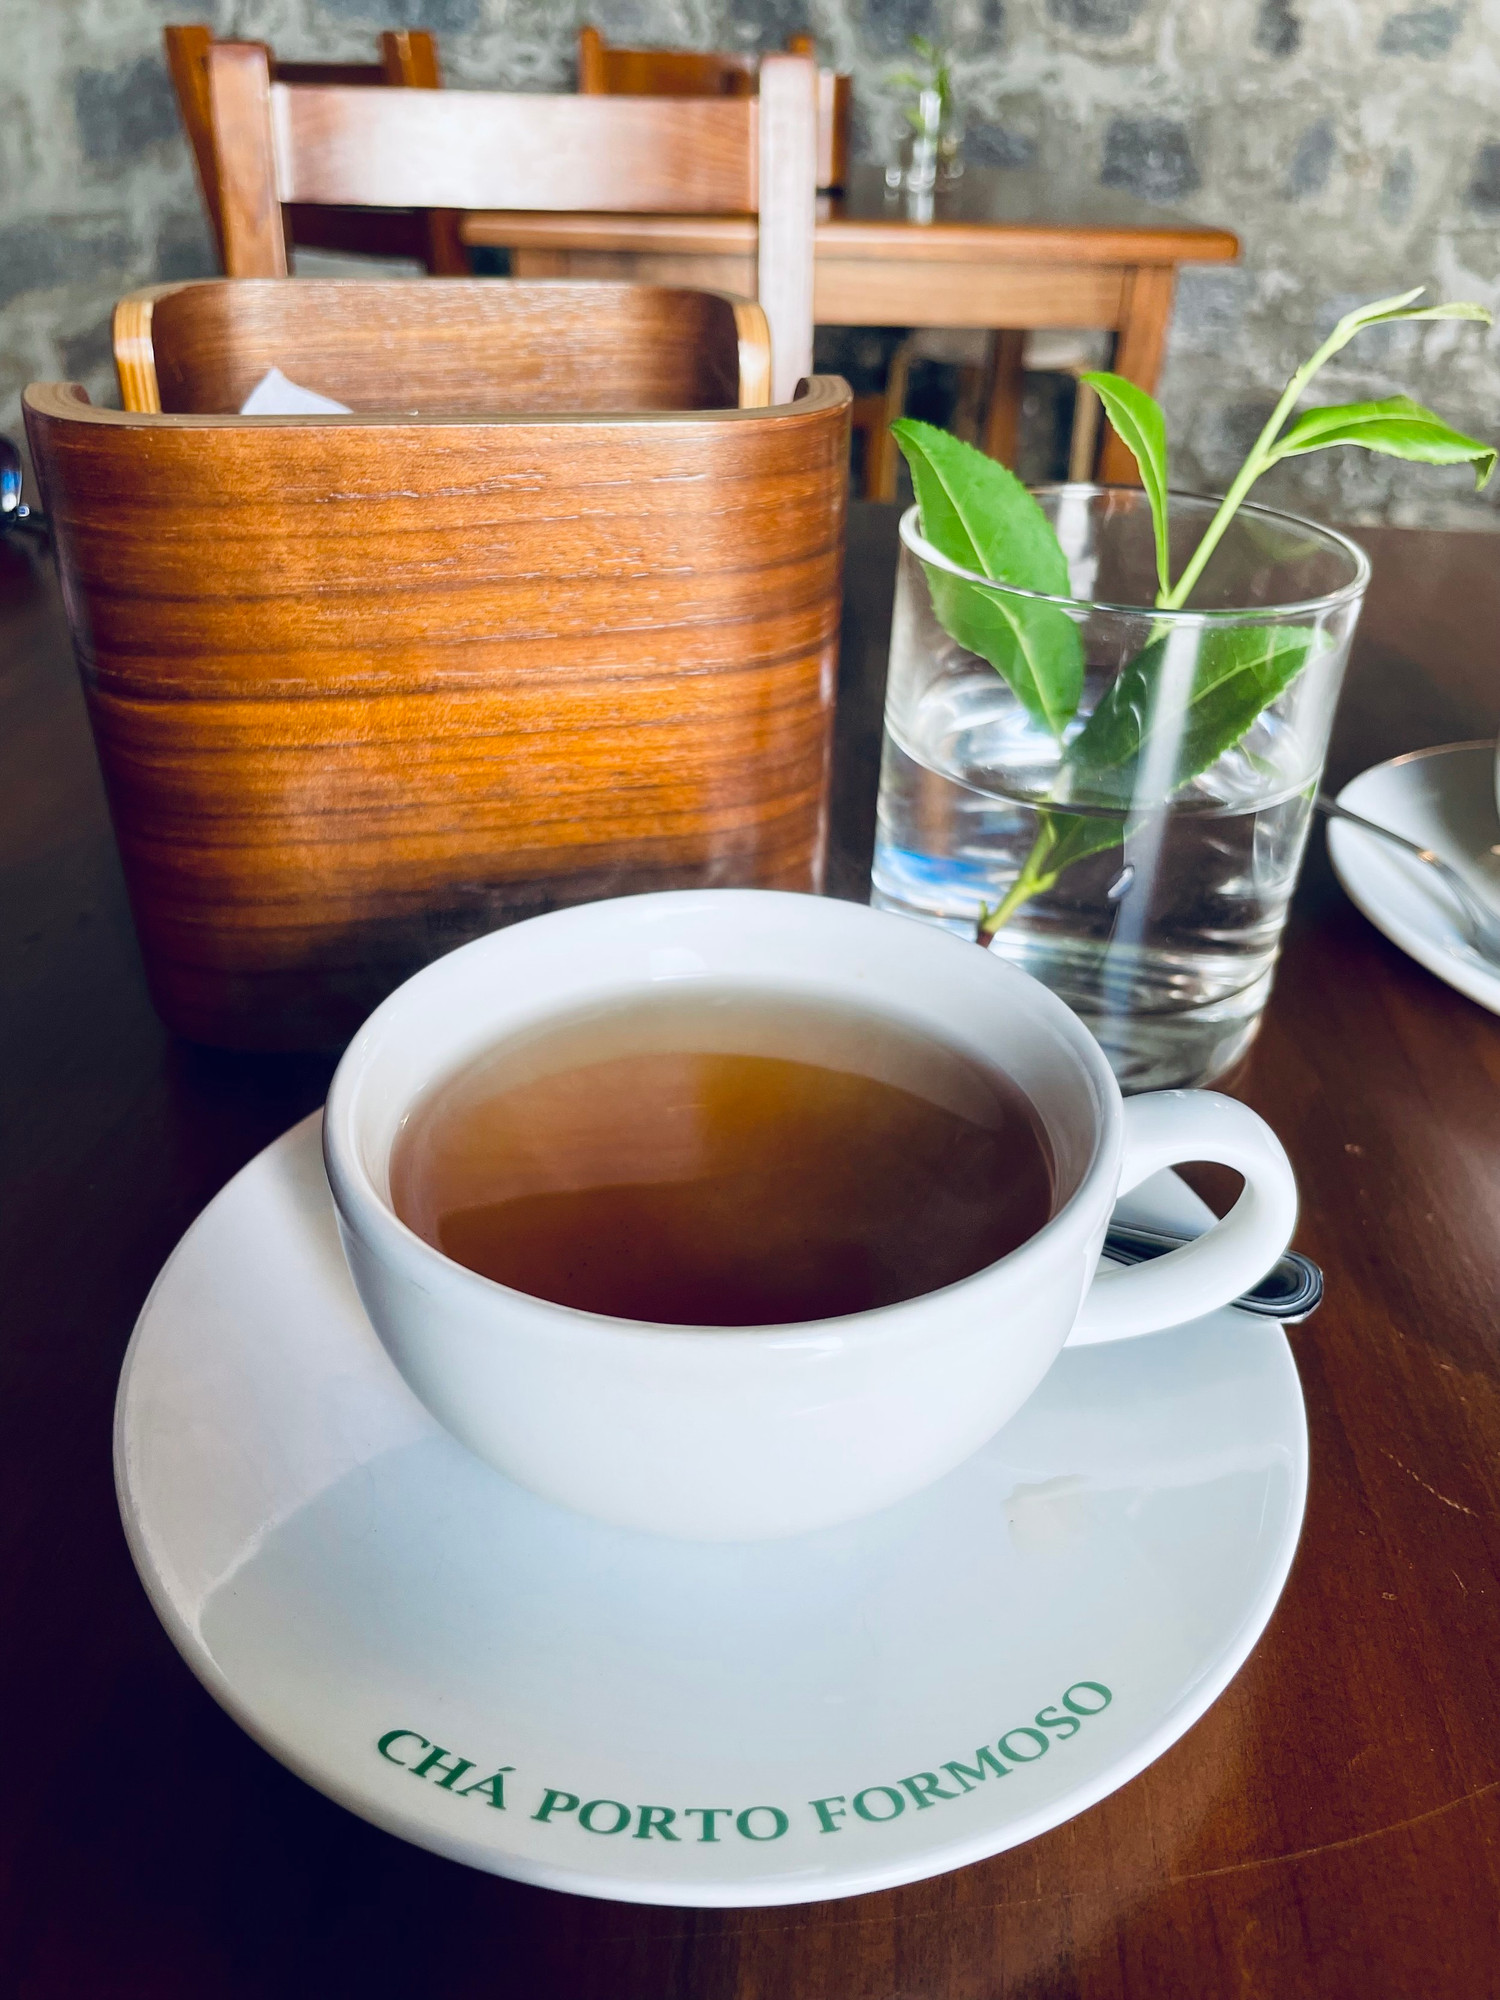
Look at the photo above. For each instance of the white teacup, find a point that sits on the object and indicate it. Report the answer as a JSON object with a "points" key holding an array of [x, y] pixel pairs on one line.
{"points": [[739, 1433]]}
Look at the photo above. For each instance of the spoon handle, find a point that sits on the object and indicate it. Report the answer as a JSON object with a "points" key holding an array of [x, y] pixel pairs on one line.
{"points": [[1331, 809], [1481, 926], [1290, 1290]]}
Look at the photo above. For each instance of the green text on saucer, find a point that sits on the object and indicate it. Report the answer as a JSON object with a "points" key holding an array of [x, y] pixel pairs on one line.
{"points": [[554, 1805]]}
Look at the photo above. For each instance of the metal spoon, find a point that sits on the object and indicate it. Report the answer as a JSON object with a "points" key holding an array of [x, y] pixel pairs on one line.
{"points": [[1291, 1289], [14, 513], [1480, 926]]}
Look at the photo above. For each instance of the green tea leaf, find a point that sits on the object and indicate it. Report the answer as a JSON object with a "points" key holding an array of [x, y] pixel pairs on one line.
{"points": [[1061, 839], [1397, 426], [1235, 673], [981, 517], [1034, 645], [1144, 740], [1267, 448], [978, 514], [1380, 311], [1075, 836], [1142, 429]]}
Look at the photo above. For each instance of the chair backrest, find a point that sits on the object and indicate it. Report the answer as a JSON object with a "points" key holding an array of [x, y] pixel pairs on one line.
{"points": [[277, 142], [409, 60], [364, 688], [607, 71], [456, 345]]}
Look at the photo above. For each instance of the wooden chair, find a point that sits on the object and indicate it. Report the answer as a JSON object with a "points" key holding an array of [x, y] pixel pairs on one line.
{"points": [[277, 143], [451, 347], [990, 367], [363, 688], [408, 59], [604, 71]]}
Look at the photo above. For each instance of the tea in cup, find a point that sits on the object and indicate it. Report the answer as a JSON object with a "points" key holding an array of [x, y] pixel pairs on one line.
{"points": [[730, 1214]]}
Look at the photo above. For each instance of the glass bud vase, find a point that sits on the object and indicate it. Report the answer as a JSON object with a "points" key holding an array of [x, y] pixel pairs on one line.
{"points": [[1162, 926]]}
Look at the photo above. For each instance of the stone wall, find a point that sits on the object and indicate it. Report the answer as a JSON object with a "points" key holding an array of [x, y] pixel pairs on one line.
{"points": [[1353, 144]]}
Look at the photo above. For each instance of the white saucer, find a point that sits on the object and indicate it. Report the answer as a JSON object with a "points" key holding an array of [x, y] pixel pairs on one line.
{"points": [[1443, 799], [335, 1568]]}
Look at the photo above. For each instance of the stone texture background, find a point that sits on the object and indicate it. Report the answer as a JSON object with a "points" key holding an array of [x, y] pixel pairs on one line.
{"points": [[1353, 144]]}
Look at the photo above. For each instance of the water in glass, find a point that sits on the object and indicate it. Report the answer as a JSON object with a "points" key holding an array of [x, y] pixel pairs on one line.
{"points": [[1165, 941]]}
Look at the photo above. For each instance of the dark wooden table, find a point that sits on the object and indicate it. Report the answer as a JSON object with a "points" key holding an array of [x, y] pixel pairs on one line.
{"points": [[1007, 247], [1331, 1828]]}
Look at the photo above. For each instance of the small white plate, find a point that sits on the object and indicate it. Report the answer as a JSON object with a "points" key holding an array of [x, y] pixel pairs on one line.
{"points": [[1443, 799], [949, 1678]]}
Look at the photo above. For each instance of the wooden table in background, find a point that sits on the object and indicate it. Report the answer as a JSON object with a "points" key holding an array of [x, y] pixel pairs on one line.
{"points": [[1005, 250], [1329, 1831]]}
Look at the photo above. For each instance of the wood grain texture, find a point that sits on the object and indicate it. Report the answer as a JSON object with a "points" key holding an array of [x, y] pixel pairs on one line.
{"points": [[252, 233], [593, 70], [408, 58], [186, 50], [607, 70], [860, 239], [409, 61], [462, 149], [753, 333], [835, 125], [454, 345], [1329, 1831], [892, 291], [362, 689], [490, 149], [871, 268], [135, 350]]}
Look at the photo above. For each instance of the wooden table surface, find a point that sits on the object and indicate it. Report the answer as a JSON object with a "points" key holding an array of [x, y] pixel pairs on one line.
{"points": [[1332, 1826], [1005, 248]]}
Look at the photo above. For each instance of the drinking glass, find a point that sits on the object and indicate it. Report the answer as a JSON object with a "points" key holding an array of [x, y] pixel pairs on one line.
{"points": [[923, 139], [1163, 937]]}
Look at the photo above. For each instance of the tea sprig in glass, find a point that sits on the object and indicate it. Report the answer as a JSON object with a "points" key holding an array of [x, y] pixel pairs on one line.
{"points": [[980, 517]]}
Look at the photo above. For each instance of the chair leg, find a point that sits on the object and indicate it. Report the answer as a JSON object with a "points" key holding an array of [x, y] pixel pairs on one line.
{"points": [[1083, 445], [867, 422], [880, 479], [1002, 417], [446, 254], [969, 405]]}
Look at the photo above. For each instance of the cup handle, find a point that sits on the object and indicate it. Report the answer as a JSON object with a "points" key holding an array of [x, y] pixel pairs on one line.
{"points": [[1164, 1129]]}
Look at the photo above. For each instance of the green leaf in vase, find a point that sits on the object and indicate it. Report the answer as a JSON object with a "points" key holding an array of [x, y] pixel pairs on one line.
{"points": [[1033, 644], [1396, 426], [1308, 434], [1194, 692], [981, 517], [1402, 306], [1147, 738], [1061, 839], [1142, 429], [978, 514], [1145, 732]]}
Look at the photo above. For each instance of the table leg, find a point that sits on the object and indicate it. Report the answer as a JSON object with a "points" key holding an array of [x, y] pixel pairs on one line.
{"points": [[867, 419], [1002, 415], [882, 464], [1146, 314], [1083, 446]]}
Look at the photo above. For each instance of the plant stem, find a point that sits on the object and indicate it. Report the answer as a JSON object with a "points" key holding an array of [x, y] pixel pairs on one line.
{"points": [[1255, 464], [1031, 881], [1034, 877]]}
